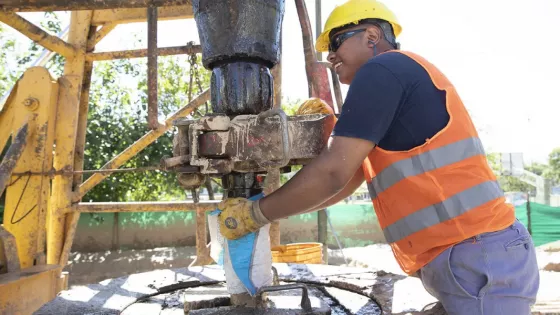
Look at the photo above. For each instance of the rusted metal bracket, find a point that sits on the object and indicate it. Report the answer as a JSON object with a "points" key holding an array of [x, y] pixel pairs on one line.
{"points": [[252, 143], [202, 251], [8, 252], [285, 158], [12, 156]]}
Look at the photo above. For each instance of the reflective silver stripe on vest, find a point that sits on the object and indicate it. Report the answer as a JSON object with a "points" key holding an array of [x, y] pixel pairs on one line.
{"points": [[448, 209], [427, 161]]}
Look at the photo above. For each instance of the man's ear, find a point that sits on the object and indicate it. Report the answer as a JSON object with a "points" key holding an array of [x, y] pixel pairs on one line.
{"points": [[373, 35]]}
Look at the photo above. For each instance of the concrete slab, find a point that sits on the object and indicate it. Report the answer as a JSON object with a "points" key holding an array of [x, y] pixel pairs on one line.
{"points": [[112, 295], [394, 293]]}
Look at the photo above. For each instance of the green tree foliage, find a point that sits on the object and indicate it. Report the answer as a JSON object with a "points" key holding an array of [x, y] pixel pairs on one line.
{"points": [[553, 169], [508, 183], [117, 113], [512, 183], [14, 63], [117, 118], [6, 50]]}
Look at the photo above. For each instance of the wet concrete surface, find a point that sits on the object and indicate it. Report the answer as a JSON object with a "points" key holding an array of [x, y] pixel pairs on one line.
{"points": [[94, 267], [394, 294]]}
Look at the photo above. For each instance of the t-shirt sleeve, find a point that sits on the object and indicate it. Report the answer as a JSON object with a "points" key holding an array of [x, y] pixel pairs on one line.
{"points": [[372, 101]]}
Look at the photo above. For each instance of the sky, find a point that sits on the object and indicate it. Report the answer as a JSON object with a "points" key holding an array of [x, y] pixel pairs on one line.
{"points": [[502, 56]]}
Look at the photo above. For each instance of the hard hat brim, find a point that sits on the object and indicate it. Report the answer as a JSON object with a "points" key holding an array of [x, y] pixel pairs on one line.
{"points": [[322, 44]]}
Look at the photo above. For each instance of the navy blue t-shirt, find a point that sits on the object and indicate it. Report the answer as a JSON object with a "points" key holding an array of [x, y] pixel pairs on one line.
{"points": [[393, 103]]}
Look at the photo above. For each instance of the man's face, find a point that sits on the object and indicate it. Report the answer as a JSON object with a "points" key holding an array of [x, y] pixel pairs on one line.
{"points": [[348, 51]]}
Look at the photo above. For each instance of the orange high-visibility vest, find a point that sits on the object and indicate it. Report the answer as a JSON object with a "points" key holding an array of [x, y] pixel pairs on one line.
{"points": [[439, 193]]}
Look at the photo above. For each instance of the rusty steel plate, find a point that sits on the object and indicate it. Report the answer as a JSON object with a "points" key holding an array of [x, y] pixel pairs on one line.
{"points": [[248, 143]]}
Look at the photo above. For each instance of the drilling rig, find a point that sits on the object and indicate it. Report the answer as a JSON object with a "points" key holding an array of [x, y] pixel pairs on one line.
{"points": [[246, 138]]}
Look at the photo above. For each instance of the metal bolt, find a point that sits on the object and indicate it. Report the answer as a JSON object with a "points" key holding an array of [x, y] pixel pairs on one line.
{"points": [[31, 103]]}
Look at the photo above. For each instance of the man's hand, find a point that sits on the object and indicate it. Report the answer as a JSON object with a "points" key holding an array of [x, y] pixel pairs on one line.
{"points": [[239, 217]]}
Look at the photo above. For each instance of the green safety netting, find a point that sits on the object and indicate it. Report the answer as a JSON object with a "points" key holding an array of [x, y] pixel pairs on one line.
{"points": [[545, 222]]}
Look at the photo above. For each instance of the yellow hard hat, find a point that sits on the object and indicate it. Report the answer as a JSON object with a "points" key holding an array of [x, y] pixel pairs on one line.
{"points": [[353, 11], [314, 106]]}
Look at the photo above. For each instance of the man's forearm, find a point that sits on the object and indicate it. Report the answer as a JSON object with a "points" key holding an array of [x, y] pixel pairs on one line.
{"points": [[319, 181], [349, 189], [312, 186]]}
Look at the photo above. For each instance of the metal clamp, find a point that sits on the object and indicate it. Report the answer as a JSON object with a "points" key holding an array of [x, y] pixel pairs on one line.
{"points": [[305, 302], [285, 139], [205, 124]]}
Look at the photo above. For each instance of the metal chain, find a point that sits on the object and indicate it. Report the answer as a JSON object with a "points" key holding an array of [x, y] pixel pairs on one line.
{"points": [[195, 73], [192, 74], [192, 59], [199, 82]]}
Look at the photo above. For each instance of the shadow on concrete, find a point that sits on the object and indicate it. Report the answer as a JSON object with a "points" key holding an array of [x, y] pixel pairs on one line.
{"points": [[94, 267], [112, 295]]}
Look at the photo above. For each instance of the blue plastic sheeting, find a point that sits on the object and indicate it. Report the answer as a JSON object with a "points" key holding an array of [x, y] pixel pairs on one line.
{"points": [[241, 254]]}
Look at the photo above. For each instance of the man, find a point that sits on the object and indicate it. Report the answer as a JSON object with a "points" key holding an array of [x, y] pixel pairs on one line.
{"points": [[436, 198]]}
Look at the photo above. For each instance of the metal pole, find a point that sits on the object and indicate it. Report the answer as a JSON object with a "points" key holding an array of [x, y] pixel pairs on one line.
{"points": [[78, 5], [322, 220], [317, 76], [65, 135], [145, 206], [152, 68], [141, 53], [547, 191], [529, 214], [273, 176], [318, 25], [73, 218]]}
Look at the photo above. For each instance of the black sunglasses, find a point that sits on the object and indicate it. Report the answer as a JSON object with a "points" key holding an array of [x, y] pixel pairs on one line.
{"points": [[337, 40]]}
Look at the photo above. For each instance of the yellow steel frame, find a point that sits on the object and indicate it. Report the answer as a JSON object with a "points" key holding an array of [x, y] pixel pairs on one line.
{"points": [[33, 99], [41, 213]]}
